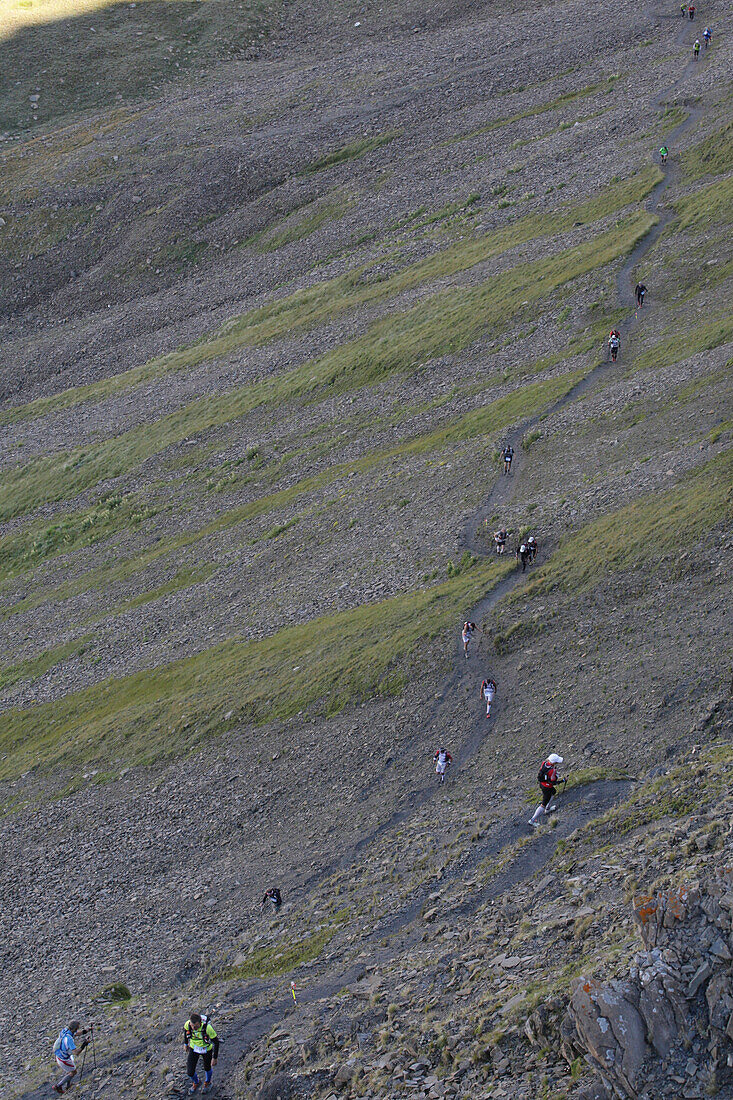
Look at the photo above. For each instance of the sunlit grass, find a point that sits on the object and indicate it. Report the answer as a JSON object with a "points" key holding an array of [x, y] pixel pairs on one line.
{"points": [[641, 531], [445, 323], [163, 712], [305, 308]]}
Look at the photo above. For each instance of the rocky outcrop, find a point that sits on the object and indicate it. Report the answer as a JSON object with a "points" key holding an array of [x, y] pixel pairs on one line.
{"points": [[667, 1028]]}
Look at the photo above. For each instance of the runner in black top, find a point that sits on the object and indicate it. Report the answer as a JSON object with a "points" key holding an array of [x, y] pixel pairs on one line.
{"points": [[272, 898]]}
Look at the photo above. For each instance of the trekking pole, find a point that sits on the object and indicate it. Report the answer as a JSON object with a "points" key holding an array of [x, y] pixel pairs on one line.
{"points": [[94, 1048], [84, 1058]]}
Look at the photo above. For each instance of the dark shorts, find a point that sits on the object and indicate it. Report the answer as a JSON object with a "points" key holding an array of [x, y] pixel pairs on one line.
{"points": [[192, 1061], [548, 793]]}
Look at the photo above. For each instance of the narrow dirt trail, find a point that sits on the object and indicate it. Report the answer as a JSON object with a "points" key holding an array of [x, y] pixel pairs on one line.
{"points": [[579, 806], [505, 488]]}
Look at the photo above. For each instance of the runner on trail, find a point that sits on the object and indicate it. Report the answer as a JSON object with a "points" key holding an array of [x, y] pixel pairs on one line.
{"points": [[488, 691], [523, 555], [691, 11], [707, 35], [547, 779], [201, 1041], [272, 898], [614, 345], [683, 9], [508, 454], [466, 635], [640, 291], [64, 1049], [664, 153], [442, 761], [500, 538], [696, 48], [532, 547]]}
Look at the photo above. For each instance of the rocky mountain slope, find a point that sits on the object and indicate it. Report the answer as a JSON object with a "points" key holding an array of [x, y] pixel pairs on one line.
{"points": [[267, 322]]}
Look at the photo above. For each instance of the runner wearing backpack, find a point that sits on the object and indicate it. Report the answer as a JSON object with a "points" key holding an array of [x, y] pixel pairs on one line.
{"points": [[488, 691], [63, 1051], [523, 555], [201, 1041], [547, 778]]}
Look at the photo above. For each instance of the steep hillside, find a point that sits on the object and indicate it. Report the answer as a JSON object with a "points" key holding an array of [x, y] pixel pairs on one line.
{"points": [[267, 323]]}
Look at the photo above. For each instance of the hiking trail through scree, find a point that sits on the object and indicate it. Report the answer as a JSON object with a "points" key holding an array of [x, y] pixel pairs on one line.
{"points": [[578, 806]]}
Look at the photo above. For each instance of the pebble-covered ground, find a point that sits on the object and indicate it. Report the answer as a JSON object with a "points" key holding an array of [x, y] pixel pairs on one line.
{"points": [[264, 335]]}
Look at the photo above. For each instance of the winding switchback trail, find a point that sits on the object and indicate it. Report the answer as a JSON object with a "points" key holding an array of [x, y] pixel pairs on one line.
{"points": [[581, 804]]}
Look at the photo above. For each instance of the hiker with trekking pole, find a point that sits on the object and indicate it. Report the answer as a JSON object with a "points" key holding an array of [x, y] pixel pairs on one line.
{"points": [[549, 781], [64, 1050]]}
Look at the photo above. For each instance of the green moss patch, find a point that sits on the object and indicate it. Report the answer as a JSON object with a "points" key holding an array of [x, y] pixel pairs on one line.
{"points": [[269, 962], [26, 549], [712, 205], [352, 151], [684, 342], [532, 112]]}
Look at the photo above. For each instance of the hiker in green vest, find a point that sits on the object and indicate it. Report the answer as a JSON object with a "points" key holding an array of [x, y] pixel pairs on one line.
{"points": [[202, 1042]]}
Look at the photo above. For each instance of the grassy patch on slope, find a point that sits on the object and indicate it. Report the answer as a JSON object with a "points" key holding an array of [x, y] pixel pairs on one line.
{"points": [[443, 324], [686, 789], [711, 157], [712, 205], [681, 344], [184, 579], [352, 151], [33, 667], [90, 51], [269, 962], [498, 414], [162, 712], [323, 301], [24, 550], [532, 112], [298, 226], [640, 531]]}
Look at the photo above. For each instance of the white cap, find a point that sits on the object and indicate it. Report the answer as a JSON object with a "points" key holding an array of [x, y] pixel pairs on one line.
{"points": [[553, 758]]}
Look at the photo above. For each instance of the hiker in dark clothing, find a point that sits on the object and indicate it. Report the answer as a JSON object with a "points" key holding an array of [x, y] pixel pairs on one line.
{"points": [[272, 898], [548, 780]]}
